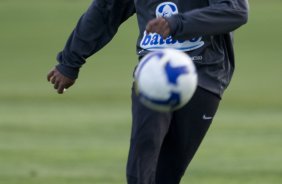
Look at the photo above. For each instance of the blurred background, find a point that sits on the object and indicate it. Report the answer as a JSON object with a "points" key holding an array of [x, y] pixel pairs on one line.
{"points": [[82, 137]]}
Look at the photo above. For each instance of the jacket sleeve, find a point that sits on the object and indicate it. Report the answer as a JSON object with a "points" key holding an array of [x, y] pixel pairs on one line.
{"points": [[221, 16], [95, 29]]}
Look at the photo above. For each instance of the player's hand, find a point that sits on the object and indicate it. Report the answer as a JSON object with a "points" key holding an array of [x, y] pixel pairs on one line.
{"points": [[60, 82], [158, 25]]}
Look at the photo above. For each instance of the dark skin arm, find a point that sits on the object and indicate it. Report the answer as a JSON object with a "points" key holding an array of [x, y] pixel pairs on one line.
{"points": [[59, 81], [158, 25]]}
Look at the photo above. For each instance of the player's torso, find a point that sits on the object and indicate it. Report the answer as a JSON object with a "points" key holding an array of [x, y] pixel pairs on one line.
{"points": [[207, 52]]}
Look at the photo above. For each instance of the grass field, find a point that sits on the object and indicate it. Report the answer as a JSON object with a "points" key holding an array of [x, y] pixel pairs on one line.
{"points": [[82, 137]]}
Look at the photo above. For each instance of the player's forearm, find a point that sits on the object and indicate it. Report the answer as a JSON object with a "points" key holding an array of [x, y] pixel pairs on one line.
{"points": [[94, 30], [218, 18]]}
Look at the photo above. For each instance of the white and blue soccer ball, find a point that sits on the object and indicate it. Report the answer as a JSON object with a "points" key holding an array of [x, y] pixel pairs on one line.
{"points": [[165, 80]]}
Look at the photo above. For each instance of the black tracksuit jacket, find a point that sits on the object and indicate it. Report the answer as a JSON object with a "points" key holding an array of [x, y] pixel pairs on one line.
{"points": [[202, 28]]}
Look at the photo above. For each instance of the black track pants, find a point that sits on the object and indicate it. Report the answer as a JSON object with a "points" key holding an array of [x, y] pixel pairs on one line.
{"points": [[163, 144]]}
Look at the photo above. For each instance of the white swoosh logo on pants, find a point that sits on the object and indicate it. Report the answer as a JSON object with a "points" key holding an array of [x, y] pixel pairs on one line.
{"points": [[207, 117]]}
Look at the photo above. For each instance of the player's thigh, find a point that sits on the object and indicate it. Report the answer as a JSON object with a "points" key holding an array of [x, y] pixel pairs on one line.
{"points": [[190, 124], [148, 131], [188, 128]]}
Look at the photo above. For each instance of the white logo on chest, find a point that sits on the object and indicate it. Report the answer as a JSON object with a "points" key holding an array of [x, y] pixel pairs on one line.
{"points": [[166, 9], [154, 41]]}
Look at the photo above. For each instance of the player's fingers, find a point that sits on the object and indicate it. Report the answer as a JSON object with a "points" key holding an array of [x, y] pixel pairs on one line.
{"points": [[158, 25], [50, 75], [56, 85], [166, 33], [162, 26], [61, 89], [162, 22], [53, 80], [150, 28], [69, 84]]}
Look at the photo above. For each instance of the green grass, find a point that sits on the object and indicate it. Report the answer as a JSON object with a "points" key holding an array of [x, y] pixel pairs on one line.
{"points": [[82, 137]]}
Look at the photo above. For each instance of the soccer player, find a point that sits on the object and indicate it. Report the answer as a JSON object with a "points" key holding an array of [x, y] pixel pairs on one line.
{"points": [[162, 144]]}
